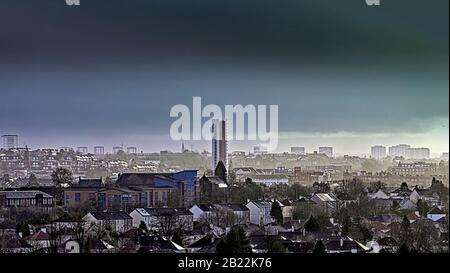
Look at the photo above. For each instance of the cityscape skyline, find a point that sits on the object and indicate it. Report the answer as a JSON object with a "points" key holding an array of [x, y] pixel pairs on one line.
{"points": [[391, 86], [133, 149]]}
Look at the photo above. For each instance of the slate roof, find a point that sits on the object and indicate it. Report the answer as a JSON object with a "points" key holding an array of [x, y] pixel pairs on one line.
{"points": [[299, 247], [90, 182], [155, 244], [435, 210], [66, 218], [38, 236], [163, 211], [235, 207], [111, 215], [347, 245], [23, 194]]}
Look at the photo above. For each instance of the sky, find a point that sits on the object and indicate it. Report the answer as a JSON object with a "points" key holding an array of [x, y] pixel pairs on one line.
{"points": [[343, 74]]}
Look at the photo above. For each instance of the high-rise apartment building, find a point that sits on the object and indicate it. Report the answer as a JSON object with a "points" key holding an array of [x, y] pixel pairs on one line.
{"points": [[99, 150], [298, 150], [398, 150], [378, 152], [219, 143], [10, 141], [328, 151]]}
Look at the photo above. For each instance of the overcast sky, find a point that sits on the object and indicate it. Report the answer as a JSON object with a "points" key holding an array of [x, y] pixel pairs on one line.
{"points": [[108, 72]]}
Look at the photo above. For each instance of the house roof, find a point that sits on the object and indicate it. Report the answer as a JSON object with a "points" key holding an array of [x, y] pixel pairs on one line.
{"points": [[163, 211], [387, 241], [110, 215], [435, 210], [261, 204], [325, 197], [205, 241], [206, 207], [38, 236], [218, 181], [90, 182], [342, 245], [24, 194], [299, 247], [66, 218], [235, 207], [155, 244]]}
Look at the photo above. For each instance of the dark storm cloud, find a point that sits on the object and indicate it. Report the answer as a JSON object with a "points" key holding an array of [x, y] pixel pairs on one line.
{"points": [[116, 65]]}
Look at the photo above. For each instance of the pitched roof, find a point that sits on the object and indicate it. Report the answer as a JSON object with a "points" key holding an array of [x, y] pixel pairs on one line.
{"points": [[218, 181], [325, 197], [38, 236], [342, 245], [110, 215], [155, 244], [235, 207], [163, 211], [299, 247], [66, 218], [90, 182], [24, 194], [206, 207], [435, 210], [387, 241]]}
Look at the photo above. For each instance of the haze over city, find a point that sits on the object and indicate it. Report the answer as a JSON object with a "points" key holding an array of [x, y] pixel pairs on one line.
{"points": [[349, 82]]}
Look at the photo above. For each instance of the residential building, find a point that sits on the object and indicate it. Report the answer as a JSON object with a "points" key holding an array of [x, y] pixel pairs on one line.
{"points": [[83, 150], [328, 151], [10, 141], [201, 211], [131, 150], [378, 152], [269, 179], [166, 218], [27, 199], [99, 150], [435, 214], [298, 150], [417, 153], [398, 150], [117, 221], [117, 149], [326, 201], [414, 168], [219, 143], [260, 212]]}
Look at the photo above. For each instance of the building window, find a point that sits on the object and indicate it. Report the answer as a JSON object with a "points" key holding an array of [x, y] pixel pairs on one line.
{"points": [[164, 198], [77, 197], [156, 199]]}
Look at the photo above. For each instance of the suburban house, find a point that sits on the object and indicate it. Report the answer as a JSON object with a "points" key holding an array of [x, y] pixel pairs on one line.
{"points": [[27, 199], [435, 214], [287, 208], [166, 218], [117, 221], [200, 211], [326, 201], [158, 244], [241, 213], [68, 222], [39, 240], [260, 212]]}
